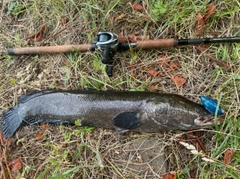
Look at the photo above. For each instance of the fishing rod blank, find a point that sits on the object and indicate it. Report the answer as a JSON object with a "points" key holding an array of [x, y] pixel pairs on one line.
{"points": [[109, 44], [145, 44]]}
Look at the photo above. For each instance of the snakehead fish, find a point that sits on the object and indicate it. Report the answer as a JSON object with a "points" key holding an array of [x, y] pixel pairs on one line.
{"points": [[135, 111]]}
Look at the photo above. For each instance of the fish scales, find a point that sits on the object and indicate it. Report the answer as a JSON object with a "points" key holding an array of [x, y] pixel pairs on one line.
{"points": [[135, 111]]}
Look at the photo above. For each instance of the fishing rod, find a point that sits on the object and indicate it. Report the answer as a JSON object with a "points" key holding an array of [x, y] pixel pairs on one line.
{"points": [[108, 43]]}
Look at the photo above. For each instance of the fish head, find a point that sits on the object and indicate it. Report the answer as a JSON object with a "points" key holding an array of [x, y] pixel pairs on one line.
{"points": [[183, 119], [180, 114]]}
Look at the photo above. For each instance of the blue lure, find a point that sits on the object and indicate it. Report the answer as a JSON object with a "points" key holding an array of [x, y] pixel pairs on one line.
{"points": [[211, 105]]}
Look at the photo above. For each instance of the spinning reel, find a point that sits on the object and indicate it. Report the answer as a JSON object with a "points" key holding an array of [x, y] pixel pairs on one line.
{"points": [[107, 43]]}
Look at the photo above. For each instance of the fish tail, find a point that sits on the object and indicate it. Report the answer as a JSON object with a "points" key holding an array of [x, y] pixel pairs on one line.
{"points": [[10, 122]]}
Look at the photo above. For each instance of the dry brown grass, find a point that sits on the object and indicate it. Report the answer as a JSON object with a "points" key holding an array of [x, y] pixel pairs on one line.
{"points": [[101, 153]]}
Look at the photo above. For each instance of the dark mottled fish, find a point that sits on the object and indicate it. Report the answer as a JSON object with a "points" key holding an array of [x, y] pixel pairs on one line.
{"points": [[136, 111]]}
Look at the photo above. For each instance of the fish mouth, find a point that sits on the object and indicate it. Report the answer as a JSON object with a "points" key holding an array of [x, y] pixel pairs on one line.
{"points": [[206, 121]]}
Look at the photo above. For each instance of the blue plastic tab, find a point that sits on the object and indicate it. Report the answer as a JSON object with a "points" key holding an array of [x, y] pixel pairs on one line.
{"points": [[211, 105]]}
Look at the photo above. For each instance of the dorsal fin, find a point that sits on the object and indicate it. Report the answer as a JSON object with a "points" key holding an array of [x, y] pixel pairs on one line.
{"points": [[25, 98]]}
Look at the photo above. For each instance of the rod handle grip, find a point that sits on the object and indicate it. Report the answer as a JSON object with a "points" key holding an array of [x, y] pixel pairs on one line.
{"points": [[51, 49], [156, 44]]}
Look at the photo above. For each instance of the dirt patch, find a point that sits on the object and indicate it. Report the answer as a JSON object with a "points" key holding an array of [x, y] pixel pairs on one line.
{"points": [[143, 157]]}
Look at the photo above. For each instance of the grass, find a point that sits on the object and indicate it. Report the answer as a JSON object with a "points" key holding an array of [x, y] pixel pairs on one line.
{"points": [[75, 152]]}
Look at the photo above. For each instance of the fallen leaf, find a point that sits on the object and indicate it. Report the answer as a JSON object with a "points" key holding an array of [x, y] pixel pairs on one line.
{"points": [[139, 158], [38, 36], [207, 160], [9, 143], [38, 136], [228, 154], [193, 173], [137, 32], [163, 74], [143, 37], [175, 65], [117, 152], [64, 20], [120, 17], [179, 81], [163, 60], [190, 147], [137, 7], [153, 73], [112, 20], [200, 24], [209, 11], [203, 19], [154, 87], [44, 126], [171, 175], [132, 37], [16, 164], [219, 62], [122, 38], [194, 138], [132, 68]]}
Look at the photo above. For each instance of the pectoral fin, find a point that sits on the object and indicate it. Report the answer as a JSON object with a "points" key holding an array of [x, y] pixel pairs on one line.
{"points": [[127, 120]]}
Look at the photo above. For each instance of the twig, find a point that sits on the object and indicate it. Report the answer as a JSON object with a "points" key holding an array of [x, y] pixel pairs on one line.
{"points": [[6, 163], [1, 162], [2, 166], [219, 62], [3, 153], [1, 139], [24, 60], [50, 36], [194, 139], [47, 38]]}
